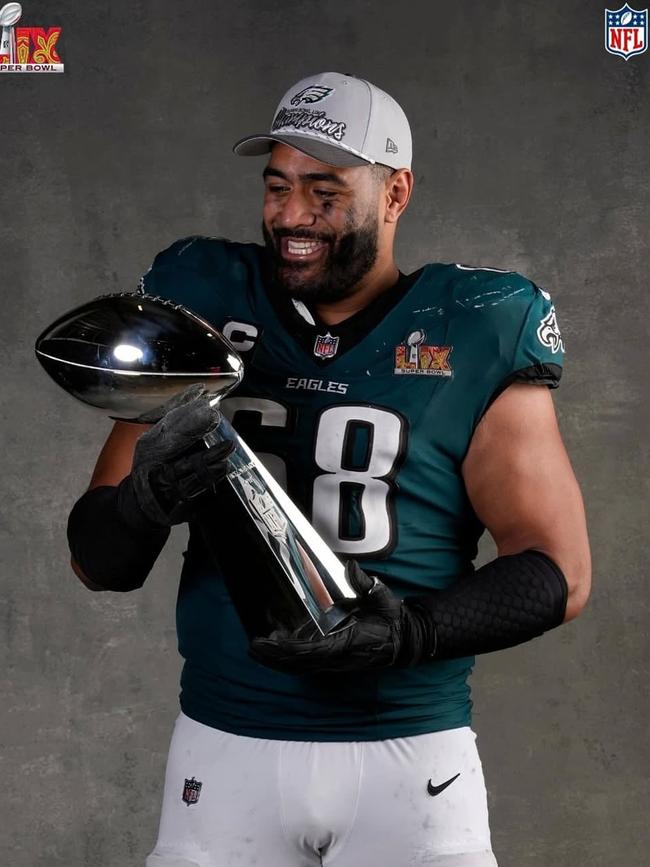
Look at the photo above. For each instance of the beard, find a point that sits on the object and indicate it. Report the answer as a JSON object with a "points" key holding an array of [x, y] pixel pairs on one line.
{"points": [[347, 261]]}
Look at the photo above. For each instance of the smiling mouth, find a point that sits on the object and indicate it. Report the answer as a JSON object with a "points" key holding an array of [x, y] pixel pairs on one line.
{"points": [[301, 250]]}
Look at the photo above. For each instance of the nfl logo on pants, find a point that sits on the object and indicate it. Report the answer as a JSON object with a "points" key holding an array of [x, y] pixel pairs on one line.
{"points": [[191, 791]]}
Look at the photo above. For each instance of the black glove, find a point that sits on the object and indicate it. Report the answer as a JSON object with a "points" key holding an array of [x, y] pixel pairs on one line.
{"points": [[191, 393], [172, 466], [382, 632]]}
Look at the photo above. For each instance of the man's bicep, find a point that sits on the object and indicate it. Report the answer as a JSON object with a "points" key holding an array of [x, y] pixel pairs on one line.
{"points": [[522, 486]]}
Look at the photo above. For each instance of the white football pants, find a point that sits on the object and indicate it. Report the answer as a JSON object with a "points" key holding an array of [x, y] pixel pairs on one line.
{"points": [[233, 801]]}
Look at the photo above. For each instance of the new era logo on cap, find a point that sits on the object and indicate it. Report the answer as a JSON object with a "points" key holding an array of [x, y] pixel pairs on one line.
{"points": [[340, 120]]}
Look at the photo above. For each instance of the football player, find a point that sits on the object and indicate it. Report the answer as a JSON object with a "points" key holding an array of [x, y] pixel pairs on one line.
{"points": [[405, 413]]}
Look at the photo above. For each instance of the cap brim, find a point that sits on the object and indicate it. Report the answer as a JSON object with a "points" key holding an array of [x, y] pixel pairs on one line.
{"points": [[332, 155]]}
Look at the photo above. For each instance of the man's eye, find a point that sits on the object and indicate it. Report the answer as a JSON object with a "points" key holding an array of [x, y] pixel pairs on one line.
{"points": [[277, 188], [325, 194]]}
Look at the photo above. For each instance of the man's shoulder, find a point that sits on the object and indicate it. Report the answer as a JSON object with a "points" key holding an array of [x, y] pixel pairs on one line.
{"points": [[203, 253], [493, 307], [205, 274], [471, 288], [486, 298], [500, 314]]}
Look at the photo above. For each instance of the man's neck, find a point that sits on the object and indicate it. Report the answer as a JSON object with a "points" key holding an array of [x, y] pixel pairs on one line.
{"points": [[378, 280]]}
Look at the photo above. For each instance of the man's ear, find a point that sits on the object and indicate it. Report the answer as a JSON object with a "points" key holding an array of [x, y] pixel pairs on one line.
{"points": [[399, 187]]}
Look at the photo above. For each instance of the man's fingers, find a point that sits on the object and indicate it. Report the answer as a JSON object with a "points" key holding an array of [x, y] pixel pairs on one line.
{"points": [[191, 420], [192, 392], [360, 582], [177, 431], [374, 596], [197, 473], [291, 647], [293, 654], [382, 602], [272, 654]]}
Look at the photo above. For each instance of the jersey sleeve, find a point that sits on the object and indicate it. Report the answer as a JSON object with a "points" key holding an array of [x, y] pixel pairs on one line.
{"points": [[514, 334], [538, 354]]}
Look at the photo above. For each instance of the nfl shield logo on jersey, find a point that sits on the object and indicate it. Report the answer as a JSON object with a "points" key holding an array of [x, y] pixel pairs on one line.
{"points": [[191, 791], [626, 31], [326, 345]]}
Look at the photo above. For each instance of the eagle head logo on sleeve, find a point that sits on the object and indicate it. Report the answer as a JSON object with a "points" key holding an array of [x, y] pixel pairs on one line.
{"points": [[548, 332]]}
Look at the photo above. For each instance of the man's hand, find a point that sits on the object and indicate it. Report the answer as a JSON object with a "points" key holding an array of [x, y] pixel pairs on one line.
{"points": [[172, 467], [380, 633]]}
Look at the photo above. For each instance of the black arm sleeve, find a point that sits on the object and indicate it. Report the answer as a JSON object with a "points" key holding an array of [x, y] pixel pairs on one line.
{"points": [[506, 602], [114, 554]]}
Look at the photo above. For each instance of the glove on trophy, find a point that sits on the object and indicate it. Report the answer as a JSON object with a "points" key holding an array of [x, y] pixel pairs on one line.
{"points": [[172, 467]]}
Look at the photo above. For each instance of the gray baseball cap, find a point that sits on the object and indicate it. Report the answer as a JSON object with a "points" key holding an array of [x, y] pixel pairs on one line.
{"points": [[339, 120]]}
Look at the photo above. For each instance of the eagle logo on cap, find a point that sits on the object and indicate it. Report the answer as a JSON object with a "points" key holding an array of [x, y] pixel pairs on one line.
{"points": [[313, 93]]}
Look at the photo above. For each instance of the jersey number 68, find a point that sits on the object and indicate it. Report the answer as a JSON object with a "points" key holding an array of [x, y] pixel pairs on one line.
{"points": [[359, 450]]}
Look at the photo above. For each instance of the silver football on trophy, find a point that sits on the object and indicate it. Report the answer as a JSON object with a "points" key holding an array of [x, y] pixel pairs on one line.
{"points": [[128, 353]]}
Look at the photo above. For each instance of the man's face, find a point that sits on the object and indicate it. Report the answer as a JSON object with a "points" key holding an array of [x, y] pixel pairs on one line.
{"points": [[320, 225]]}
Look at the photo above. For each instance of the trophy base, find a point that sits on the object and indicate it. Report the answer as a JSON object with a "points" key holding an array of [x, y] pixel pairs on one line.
{"points": [[334, 618]]}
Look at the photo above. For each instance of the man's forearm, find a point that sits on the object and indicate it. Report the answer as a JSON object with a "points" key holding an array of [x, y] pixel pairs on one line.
{"points": [[111, 553], [508, 601]]}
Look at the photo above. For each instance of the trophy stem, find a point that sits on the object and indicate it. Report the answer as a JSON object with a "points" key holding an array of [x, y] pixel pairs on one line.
{"points": [[294, 554]]}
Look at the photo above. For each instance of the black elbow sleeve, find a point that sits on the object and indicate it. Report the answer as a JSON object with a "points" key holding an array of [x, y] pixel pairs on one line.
{"points": [[110, 552], [508, 601]]}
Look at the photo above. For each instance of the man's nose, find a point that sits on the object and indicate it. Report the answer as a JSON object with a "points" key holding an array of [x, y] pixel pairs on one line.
{"points": [[296, 210]]}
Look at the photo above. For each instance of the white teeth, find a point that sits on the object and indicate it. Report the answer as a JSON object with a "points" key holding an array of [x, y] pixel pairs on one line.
{"points": [[302, 248]]}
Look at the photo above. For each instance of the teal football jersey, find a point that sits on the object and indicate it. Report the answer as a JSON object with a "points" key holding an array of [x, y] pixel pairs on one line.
{"points": [[367, 425]]}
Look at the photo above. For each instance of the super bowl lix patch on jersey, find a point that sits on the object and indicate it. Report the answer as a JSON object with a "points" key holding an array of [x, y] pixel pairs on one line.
{"points": [[415, 357], [548, 332]]}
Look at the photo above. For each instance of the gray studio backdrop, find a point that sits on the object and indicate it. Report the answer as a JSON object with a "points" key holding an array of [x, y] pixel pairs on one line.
{"points": [[530, 153]]}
